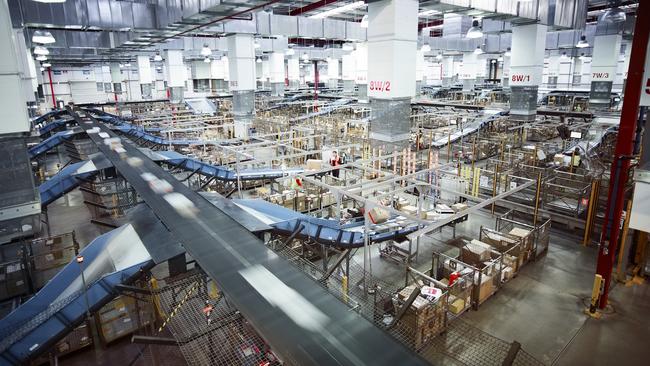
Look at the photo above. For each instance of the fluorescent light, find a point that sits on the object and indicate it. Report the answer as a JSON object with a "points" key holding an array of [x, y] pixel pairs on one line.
{"points": [[478, 50], [427, 13], [42, 68], [207, 60], [340, 9], [613, 16], [426, 48], [475, 31], [46, 64], [206, 51], [364, 21], [43, 37], [157, 57], [128, 64], [582, 43], [290, 52], [50, 1], [40, 50], [347, 47], [508, 52], [40, 58]]}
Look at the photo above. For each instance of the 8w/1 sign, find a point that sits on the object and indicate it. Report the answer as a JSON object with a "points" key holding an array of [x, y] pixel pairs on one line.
{"points": [[383, 86]]}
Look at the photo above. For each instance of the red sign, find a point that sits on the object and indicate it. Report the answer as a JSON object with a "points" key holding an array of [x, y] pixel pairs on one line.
{"points": [[379, 85], [520, 78]]}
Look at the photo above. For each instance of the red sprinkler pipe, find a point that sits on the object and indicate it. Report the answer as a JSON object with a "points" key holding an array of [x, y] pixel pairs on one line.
{"points": [[624, 149], [49, 73], [316, 80]]}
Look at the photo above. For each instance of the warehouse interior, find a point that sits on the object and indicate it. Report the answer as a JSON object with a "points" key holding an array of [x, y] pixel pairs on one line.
{"points": [[324, 182]]}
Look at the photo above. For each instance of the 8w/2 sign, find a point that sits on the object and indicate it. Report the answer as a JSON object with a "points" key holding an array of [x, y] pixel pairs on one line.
{"points": [[383, 86]]}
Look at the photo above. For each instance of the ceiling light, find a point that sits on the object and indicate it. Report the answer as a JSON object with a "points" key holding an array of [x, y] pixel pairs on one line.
{"points": [[256, 45], [347, 47], [290, 52], [42, 37], [40, 58], [439, 56], [305, 56], [613, 15], [46, 64], [500, 59], [259, 60], [40, 50], [157, 57], [508, 52], [475, 31], [426, 48], [364, 21], [582, 43], [50, 1], [42, 68], [340, 9], [158, 67], [427, 13], [207, 60], [582, 57], [563, 56], [206, 51], [128, 64], [478, 50]]}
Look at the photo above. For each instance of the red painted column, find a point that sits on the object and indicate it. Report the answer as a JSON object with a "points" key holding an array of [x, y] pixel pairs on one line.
{"points": [[624, 149], [316, 80], [49, 74]]}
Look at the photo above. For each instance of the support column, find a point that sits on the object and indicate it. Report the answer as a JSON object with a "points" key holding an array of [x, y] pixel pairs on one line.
{"points": [[333, 72], [242, 81], [468, 71], [419, 71], [526, 68], [392, 43], [361, 72], [293, 72], [144, 73], [277, 73], [348, 73], [505, 73], [447, 70], [176, 75], [604, 62], [217, 73]]}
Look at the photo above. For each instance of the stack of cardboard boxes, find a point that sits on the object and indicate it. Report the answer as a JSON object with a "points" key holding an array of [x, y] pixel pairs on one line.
{"points": [[424, 319]]}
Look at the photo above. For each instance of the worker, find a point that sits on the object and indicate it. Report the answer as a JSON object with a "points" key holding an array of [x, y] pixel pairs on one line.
{"points": [[576, 158], [335, 161]]}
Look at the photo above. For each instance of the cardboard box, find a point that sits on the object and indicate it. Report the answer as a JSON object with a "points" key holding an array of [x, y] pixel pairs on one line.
{"points": [[475, 252], [457, 306], [314, 164]]}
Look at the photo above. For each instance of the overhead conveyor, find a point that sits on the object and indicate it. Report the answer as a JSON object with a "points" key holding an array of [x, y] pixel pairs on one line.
{"points": [[65, 181], [470, 128], [51, 142], [52, 125], [329, 108], [51, 114], [301, 320], [118, 257], [327, 232]]}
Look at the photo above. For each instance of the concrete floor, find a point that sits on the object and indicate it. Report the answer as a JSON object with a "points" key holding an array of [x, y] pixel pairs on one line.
{"points": [[542, 308]]}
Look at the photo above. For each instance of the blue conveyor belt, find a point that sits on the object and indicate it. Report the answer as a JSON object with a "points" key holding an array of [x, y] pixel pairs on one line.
{"points": [[51, 126], [116, 257], [64, 181], [329, 232], [50, 143]]}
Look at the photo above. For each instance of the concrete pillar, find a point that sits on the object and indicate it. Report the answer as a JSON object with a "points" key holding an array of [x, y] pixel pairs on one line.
{"points": [[277, 73], [348, 73], [419, 71], [218, 74], [468, 71], [604, 62], [505, 73], [144, 72], [333, 72], [293, 72], [13, 101], [526, 68], [447, 65], [176, 75], [392, 45], [242, 81], [361, 71]]}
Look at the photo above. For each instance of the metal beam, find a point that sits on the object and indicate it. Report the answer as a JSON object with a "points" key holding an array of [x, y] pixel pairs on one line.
{"points": [[312, 6]]}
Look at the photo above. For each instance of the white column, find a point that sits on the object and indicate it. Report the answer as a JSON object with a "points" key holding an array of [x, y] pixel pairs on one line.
{"points": [[144, 72], [241, 58], [12, 93], [603, 69], [348, 71], [277, 73], [447, 65], [505, 73], [333, 72], [361, 71], [293, 72], [526, 68], [392, 47], [468, 71], [176, 74], [419, 71]]}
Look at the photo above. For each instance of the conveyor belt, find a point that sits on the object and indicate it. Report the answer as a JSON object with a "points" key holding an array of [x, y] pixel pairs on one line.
{"points": [[302, 322], [51, 142], [468, 129]]}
